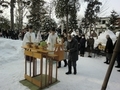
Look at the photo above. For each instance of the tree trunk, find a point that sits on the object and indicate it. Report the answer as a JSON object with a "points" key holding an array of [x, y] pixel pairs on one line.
{"points": [[90, 28], [20, 14], [12, 14], [67, 23]]}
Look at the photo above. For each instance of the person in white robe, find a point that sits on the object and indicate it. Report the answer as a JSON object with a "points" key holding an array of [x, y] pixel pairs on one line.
{"points": [[52, 40], [29, 36], [39, 38]]}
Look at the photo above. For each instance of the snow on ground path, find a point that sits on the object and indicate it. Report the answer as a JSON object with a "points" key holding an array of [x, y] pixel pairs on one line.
{"points": [[90, 76], [91, 73]]}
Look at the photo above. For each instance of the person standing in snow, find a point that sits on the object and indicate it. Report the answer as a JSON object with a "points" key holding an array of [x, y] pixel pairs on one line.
{"points": [[78, 38], [39, 38], [118, 56], [52, 39], [29, 36], [64, 42], [90, 45], [108, 49], [82, 45], [72, 48]]}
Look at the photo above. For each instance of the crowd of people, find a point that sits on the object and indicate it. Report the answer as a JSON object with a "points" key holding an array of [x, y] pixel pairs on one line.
{"points": [[12, 34], [74, 44]]}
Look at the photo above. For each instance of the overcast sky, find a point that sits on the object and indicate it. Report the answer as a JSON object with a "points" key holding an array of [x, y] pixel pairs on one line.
{"points": [[106, 8]]}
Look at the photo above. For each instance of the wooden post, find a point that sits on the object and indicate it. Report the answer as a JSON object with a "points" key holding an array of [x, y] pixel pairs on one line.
{"points": [[56, 69], [30, 58], [34, 67], [41, 71], [25, 65], [46, 72], [116, 50]]}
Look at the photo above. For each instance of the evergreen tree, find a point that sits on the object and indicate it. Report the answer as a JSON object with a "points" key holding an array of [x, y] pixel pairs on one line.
{"points": [[84, 24], [37, 13], [93, 8], [67, 8], [113, 20], [73, 14], [4, 23], [48, 23]]}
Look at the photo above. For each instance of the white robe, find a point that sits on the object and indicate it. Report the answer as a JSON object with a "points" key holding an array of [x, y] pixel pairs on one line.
{"points": [[52, 41], [29, 37], [39, 38]]}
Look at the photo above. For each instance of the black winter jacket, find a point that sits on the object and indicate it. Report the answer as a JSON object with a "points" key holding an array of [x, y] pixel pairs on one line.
{"points": [[73, 50], [109, 46]]}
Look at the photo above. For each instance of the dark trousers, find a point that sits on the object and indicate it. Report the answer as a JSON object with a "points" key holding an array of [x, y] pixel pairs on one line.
{"points": [[108, 57], [65, 63], [118, 59], [70, 64]]}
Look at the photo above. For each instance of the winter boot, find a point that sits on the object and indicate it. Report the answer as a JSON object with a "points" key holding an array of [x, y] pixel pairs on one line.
{"points": [[69, 70], [107, 61], [75, 71], [65, 63], [59, 64]]}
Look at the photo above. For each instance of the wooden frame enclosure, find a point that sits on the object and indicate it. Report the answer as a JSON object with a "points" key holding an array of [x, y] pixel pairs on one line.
{"points": [[40, 71]]}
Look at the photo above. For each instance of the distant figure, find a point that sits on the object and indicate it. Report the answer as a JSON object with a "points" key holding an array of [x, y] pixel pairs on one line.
{"points": [[93, 34], [39, 38], [78, 38], [90, 46], [108, 49], [82, 45]]}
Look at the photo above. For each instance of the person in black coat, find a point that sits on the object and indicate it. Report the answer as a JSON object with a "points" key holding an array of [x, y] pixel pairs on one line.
{"points": [[108, 49], [82, 45], [78, 38], [118, 55], [90, 45], [72, 48]]}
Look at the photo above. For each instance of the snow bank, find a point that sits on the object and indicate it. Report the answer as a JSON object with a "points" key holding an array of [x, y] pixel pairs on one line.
{"points": [[10, 50], [102, 37]]}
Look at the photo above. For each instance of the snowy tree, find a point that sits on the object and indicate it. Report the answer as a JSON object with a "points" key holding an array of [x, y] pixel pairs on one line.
{"points": [[113, 20], [67, 8], [93, 8], [73, 14], [21, 12], [48, 23], [4, 23], [3, 5], [37, 13]]}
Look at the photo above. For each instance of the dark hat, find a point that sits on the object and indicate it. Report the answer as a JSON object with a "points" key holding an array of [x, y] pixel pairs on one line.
{"points": [[53, 29], [30, 27], [83, 35]]}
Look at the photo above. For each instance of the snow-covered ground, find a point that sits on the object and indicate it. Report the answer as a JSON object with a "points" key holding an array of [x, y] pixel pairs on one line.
{"points": [[90, 76]]}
